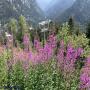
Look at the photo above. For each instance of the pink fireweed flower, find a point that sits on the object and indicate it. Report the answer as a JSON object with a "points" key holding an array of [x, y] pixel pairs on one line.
{"points": [[85, 76], [52, 41], [79, 51], [26, 39], [70, 55], [85, 81], [26, 42], [88, 62], [38, 55], [60, 56], [67, 57], [46, 52], [62, 44], [37, 45]]}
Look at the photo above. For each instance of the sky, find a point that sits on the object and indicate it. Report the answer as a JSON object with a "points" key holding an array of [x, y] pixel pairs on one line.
{"points": [[44, 3]]}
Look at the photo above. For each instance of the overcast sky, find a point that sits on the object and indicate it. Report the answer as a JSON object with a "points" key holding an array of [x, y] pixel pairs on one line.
{"points": [[44, 3]]}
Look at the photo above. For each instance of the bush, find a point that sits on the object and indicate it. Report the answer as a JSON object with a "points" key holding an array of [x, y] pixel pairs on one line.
{"points": [[43, 77], [17, 77], [76, 40], [3, 70]]}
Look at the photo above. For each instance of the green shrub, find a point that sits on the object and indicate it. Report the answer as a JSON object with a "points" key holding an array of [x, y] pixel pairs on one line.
{"points": [[3, 69], [48, 77], [76, 40], [17, 77]]}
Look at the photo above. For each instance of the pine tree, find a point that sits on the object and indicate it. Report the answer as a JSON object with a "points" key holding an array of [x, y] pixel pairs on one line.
{"points": [[71, 24], [12, 26], [88, 31], [12, 29], [22, 27]]}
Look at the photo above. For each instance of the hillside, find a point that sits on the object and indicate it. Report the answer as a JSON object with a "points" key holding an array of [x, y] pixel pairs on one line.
{"points": [[15, 8], [57, 7], [80, 11]]}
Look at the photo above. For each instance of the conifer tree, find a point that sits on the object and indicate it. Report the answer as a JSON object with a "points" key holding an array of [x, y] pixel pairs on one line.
{"points": [[88, 31], [22, 27], [12, 27], [71, 24]]}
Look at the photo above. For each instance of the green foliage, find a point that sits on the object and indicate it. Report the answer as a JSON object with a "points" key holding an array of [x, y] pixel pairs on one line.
{"points": [[80, 41], [12, 26], [76, 40], [63, 32], [17, 76], [22, 28], [48, 77], [45, 76], [3, 69], [23, 24], [87, 51]]}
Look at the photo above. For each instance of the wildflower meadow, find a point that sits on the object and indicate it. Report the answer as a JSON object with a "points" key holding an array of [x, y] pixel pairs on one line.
{"points": [[62, 63]]}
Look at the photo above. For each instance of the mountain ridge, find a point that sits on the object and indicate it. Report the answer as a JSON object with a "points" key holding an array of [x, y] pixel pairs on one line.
{"points": [[59, 7], [15, 8], [79, 10]]}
